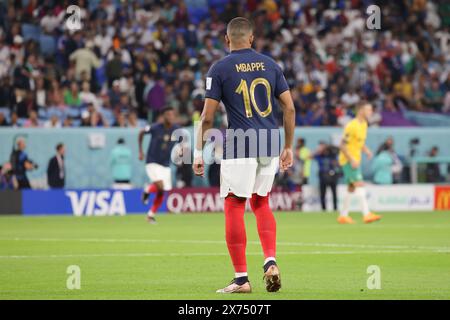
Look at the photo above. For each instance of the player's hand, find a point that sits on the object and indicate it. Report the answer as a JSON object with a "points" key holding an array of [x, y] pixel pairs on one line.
{"points": [[286, 159], [198, 166], [354, 164], [141, 155], [369, 154]]}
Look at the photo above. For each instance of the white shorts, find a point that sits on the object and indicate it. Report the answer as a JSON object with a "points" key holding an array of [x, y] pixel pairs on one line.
{"points": [[157, 172], [246, 176]]}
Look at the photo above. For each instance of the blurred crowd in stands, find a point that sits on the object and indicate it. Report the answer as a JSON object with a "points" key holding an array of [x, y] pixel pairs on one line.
{"points": [[132, 58]]}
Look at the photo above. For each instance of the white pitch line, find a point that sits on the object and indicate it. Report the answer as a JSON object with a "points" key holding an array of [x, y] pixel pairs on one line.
{"points": [[199, 254], [280, 243]]}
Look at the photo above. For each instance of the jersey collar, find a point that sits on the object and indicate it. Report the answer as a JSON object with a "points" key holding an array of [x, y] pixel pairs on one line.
{"points": [[242, 50]]}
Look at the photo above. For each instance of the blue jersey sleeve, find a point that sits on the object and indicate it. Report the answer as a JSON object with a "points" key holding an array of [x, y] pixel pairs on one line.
{"points": [[213, 83], [281, 83]]}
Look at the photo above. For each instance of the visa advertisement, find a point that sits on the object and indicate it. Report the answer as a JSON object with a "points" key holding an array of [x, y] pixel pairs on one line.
{"points": [[120, 202], [108, 202]]}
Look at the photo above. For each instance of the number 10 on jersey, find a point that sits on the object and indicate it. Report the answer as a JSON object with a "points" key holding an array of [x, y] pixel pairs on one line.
{"points": [[249, 96]]}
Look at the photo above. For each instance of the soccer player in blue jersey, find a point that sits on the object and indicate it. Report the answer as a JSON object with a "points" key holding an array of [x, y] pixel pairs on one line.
{"points": [[158, 159], [249, 84]]}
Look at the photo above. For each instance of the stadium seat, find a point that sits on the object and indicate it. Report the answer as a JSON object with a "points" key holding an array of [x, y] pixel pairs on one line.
{"points": [[73, 112], [30, 31], [42, 113], [107, 115], [6, 112], [47, 44], [54, 112]]}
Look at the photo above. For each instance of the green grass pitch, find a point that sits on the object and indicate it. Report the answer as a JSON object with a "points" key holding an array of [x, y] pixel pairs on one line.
{"points": [[185, 257]]}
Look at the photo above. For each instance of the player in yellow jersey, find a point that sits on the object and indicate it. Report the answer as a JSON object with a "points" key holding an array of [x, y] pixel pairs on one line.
{"points": [[352, 146]]}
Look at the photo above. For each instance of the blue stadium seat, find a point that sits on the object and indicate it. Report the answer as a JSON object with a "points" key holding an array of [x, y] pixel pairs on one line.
{"points": [[73, 112], [107, 115], [47, 44], [76, 122], [42, 113], [6, 112], [21, 121], [192, 4], [198, 14], [31, 31], [54, 111]]}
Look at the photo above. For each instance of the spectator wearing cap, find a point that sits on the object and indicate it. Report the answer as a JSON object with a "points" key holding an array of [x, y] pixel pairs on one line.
{"points": [[121, 165]]}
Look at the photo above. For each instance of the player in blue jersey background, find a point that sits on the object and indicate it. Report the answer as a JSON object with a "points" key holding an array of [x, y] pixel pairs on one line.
{"points": [[250, 85], [158, 158]]}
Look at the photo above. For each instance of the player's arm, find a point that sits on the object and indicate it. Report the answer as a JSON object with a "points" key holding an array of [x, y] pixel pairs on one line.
{"points": [[287, 106], [29, 165], [367, 151], [206, 123], [344, 149], [142, 132]]}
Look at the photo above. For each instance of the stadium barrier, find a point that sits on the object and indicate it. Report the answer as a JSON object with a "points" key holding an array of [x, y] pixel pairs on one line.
{"points": [[10, 202], [107, 202], [87, 166], [398, 197]]}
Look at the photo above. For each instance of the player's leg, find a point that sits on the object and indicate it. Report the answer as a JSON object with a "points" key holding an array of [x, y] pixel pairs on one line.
{"points": [[360, 192], [160, 181], [237, 179], [323, 193], [265, 220], [344, 218]]}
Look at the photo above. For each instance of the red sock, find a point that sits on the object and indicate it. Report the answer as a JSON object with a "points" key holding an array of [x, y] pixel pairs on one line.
{"points": [[157, 202], [235, 231], [267, 226], [152, 188]]}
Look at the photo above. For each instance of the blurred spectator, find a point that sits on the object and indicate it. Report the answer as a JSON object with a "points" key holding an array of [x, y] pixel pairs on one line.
{"points": [[326, 157], [132, 120], [33, 121], [304, 155], [434, 97], [120, 120], [6, 177], [72, 96], [156, 99], [88, 97], [159, 54], [3, 121], [396, 163], [382, 166], [85, 59], [56, 172], [432, 170], [121, 165], [53, 122]]}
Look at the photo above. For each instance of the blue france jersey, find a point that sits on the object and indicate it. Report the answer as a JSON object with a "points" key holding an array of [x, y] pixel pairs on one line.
{"points": [[161, 143], [247, 83]]}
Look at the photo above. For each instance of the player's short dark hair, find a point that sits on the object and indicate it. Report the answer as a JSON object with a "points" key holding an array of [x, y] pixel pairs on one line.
{"points": [[166, 109], [121, 141], [239, 27], [59, 146]]}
